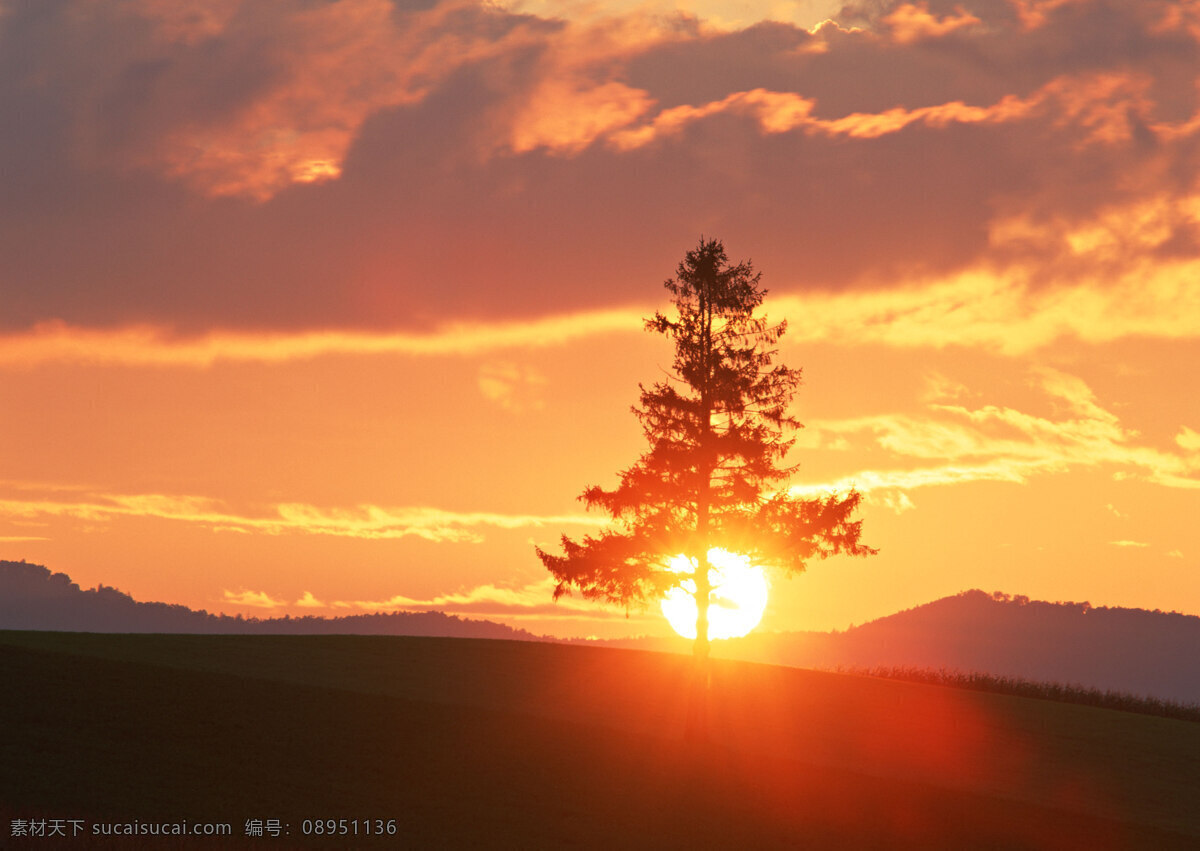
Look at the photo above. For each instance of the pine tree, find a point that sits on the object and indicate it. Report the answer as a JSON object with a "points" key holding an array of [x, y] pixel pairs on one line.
{"points": [[714, 473]]}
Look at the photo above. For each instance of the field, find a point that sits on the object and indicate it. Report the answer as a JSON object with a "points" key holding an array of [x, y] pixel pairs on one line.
{"points": [[510, 744]]}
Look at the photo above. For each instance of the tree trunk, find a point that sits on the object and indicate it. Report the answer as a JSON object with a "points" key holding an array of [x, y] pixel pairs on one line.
{"points": [[701, 685]]}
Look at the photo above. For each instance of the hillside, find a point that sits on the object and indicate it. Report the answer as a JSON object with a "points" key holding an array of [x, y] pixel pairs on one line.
{"points": [[31, 597], [1129, 650], [1126, 650], [518, 744]]}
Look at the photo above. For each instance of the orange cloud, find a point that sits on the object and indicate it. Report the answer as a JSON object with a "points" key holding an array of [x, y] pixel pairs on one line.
{"points": [[328, 67], [534, 599], [1188, 439], [1001, 309], [1033, 13], [512, 387], [578, 95], [370, 522], [565, 117], [308, 601], [57, 342], [253, 599], [1102, 104], [994, 443], [996, 307], [911, 22]]}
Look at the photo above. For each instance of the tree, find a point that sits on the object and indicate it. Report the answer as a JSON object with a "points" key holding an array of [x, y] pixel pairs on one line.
{"points": [[718, 430]]}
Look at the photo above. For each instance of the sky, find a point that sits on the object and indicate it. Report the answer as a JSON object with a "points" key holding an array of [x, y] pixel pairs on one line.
{"points": [[336, 307]]}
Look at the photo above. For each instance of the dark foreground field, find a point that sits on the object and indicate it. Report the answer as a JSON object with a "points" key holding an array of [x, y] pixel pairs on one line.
{"points": [[489, 743]]}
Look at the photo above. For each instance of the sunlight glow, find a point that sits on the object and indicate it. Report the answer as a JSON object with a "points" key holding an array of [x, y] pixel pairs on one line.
{"points": [[739, 596]]}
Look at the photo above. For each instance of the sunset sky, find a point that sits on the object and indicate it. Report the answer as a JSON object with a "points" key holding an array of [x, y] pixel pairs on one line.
{"points": [[333, 307]]}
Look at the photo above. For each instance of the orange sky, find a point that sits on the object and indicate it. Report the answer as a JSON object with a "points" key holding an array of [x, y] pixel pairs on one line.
{"points": [[329, 308]]}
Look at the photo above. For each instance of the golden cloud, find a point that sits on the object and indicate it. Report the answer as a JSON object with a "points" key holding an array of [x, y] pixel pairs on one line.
{"points": [[994, 443], [145, 345], [534, 599], [1101, 105], [911, 22], [308, 601], [254, 599], [364, 521], [566, 116], [1188, 439], [1000, 308]]}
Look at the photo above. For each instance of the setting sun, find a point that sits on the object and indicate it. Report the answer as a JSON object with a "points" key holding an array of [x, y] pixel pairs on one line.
{"points": [[739, 596]]}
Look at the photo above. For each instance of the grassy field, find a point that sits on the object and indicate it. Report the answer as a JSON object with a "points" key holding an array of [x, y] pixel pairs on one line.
{"points": [[509, 744]]}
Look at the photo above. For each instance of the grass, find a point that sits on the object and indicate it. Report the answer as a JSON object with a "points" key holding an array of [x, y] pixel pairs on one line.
{"points": [[510, 744], [1021, 687]]}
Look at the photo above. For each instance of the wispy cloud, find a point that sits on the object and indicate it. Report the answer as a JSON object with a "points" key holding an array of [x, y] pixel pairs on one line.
{"points": [[533, 600], [1139, 545], [1002, 310], [363, 521], [513, 387], [530, 600], [995, 443], [56, 342], [994, 309]]}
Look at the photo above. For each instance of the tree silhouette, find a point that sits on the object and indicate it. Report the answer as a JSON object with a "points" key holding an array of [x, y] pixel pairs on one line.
{"points": [[718, 430]]}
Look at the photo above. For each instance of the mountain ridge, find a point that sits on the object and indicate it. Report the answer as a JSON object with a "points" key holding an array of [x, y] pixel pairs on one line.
{"points": [[1134, 651], [34, 598]]}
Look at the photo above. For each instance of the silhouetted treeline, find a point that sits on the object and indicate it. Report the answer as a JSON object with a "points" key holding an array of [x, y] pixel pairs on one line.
{"points": [[31, 597]]}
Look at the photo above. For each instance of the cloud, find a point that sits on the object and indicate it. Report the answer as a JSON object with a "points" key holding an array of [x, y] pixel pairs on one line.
{"points": [[367, 166], [245, 99], [995, 443], [370, 522], [1129, 544], [993, 309], [530, 600], [1188, 439], [254, 599], [308, 601], [911, 22], [1004, 310], [514, 388], [56, 342]]}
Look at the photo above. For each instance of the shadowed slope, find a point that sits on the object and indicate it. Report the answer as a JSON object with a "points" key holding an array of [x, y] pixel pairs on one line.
{"points": [[476, 741]]}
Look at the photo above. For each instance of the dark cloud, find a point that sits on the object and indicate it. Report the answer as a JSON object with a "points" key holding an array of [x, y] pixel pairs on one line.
{"points": [[300, 165]]}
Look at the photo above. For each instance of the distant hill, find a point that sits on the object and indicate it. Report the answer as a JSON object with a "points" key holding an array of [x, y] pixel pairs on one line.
{"points": [[31, 597], [1130, 650]]}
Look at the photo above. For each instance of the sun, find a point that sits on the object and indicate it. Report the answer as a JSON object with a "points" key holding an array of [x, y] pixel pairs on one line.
{"points": [[739, 596]]}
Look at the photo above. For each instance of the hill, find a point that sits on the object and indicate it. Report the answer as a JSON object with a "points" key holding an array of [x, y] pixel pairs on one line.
{"points": [[520, 744], [1125, 650], [1128, 650], [31, 597]]}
